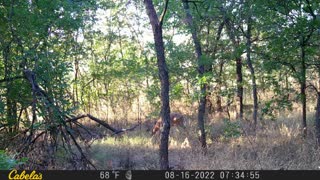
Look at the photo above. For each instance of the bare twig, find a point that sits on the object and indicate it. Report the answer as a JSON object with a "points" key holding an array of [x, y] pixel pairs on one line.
{"points": [[30, 143], [83, 156]]}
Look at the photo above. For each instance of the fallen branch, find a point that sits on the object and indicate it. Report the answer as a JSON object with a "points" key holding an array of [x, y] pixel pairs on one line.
{"points": [[75, 118], [130, 129], [106, 125]]}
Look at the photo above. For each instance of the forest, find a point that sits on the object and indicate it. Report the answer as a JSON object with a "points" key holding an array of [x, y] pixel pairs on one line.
{"points": [[160, 84]]}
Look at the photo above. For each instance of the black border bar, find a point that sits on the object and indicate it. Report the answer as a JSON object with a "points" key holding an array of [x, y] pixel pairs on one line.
{"points": [[161, 175]]}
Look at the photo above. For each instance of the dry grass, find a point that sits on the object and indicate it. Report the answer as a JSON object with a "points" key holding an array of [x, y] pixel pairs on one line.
{"points": [[277, 145]]}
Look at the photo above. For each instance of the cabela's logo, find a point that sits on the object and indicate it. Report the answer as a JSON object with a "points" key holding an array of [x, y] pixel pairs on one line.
{"points": [[24, 175]]}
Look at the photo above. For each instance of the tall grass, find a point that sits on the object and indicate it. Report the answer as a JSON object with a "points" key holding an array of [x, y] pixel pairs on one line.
{"points": [[276, 145]]}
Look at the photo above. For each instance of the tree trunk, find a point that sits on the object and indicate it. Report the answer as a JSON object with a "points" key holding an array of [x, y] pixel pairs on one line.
{"points": [[304, 108], [11, 105], [75, 86], [235, 41], [317, 116], [219, 78], [317, 122], [218, 102], [219, 109], [303, 92], [253, 76], [239, 88], [164, 80], [201, 70]]}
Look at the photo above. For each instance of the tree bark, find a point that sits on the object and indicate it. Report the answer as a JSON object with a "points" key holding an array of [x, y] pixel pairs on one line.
{"points": [[317, 116], [253, 76], [239, 87], [317, 122], [75, 86], [219, 78], [201, 70], [164, 80], [303, 92]]}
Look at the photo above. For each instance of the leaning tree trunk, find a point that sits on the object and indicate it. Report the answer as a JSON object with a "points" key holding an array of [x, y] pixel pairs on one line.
{"points": [[164, 80], [201, 70], [253, 76]]}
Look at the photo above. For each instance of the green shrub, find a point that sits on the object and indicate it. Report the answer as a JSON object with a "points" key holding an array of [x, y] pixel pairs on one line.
{"points": [[8, 162]]}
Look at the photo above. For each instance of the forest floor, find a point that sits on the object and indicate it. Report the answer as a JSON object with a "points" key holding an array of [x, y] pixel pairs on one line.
{"points": [[277, 145]]}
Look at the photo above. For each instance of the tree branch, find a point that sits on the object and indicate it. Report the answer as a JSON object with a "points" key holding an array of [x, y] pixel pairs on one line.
{"points": [[106, 125], [312, 87], [83, 156], [310, 9], [75, 118], [163, 12]]}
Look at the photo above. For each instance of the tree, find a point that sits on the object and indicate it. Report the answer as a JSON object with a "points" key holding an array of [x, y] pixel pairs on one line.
{"points": [[296, 24], [201, 70], [232, 26], [35, 40], [248, 36], [156, 24], [317, 115]]}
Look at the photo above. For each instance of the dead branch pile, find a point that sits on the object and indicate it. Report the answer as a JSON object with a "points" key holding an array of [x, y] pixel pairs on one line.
{"points": [[55, 132]]}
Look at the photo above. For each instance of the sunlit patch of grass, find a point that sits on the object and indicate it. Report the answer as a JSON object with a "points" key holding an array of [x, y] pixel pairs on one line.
{"points": [[287, 131], [276, 145], [125, 152], [125, 140]]}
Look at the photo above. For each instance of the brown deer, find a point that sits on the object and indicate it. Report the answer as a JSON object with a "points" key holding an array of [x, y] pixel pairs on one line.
{"points": [[176, 119]]}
